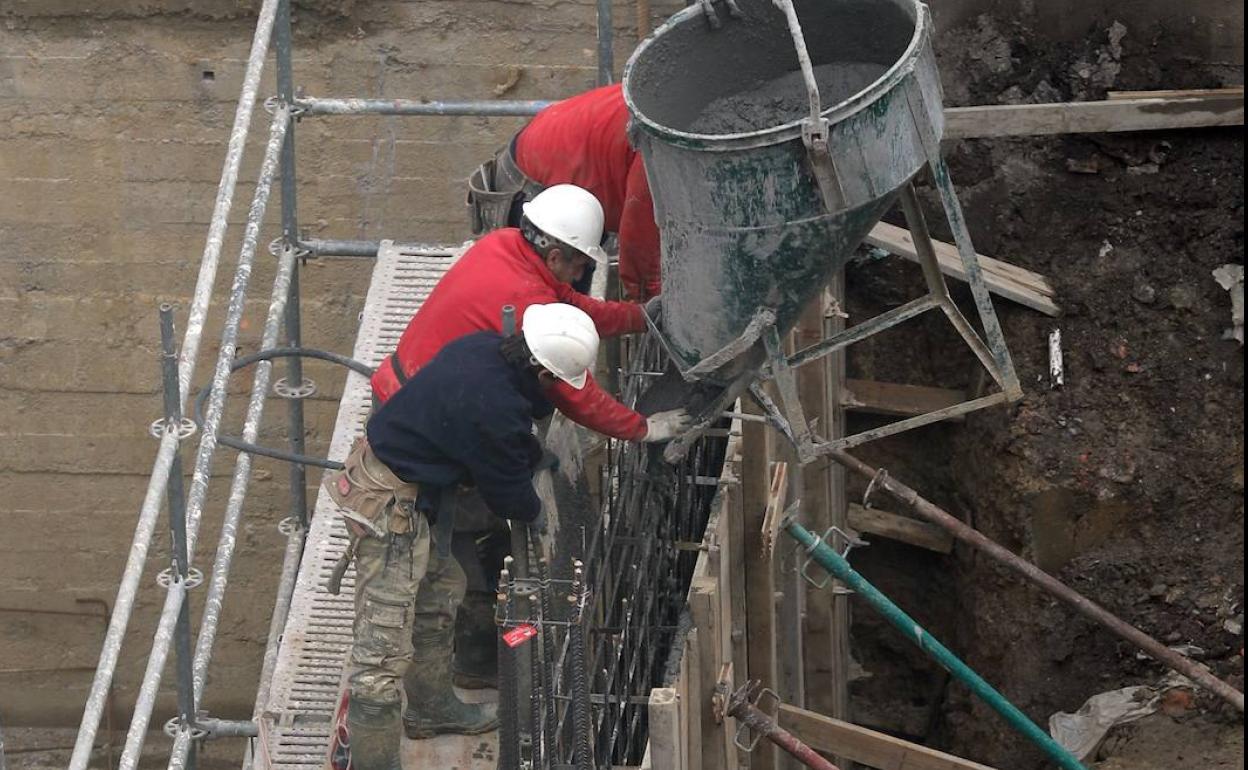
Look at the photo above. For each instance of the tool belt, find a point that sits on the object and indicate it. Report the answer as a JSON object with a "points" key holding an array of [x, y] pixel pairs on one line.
{"points": [[369, 494], [497, 189]]}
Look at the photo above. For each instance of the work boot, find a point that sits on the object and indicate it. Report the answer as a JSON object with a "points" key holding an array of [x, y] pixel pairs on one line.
{"points": [[374, 734], [476, 643], [432, 706]]}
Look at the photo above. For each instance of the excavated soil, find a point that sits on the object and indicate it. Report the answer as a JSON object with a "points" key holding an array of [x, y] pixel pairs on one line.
{"points": [[1127, 481]]}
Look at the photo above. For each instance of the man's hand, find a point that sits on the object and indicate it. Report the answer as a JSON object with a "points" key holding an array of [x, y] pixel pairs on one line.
{"points": [[664, 426]]}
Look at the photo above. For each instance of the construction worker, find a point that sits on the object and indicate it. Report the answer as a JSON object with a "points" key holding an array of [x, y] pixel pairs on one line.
{"points": [[465, 418], [560, 232], [582, 141]]}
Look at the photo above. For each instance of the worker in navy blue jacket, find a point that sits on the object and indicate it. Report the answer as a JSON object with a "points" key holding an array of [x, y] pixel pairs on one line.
{"points": [[465, 418]]}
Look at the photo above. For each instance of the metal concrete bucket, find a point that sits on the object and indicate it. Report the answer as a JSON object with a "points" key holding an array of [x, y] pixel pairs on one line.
{"points": [[758, 203]]}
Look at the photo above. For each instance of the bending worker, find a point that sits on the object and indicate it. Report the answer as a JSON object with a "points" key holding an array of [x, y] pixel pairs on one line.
{"points": [[465, 418], [582, 141], [534, 264]]}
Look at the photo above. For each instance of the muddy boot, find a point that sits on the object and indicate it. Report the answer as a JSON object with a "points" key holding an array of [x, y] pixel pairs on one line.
{"points": [[476, 643], [375, 736], [432, 706]]}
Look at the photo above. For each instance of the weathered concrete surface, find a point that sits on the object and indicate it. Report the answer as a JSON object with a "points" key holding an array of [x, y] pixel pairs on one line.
{"points": [[113, 121]]}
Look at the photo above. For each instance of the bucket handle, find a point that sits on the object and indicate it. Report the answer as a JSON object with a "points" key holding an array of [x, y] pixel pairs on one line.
{"points": [[815, 127]]}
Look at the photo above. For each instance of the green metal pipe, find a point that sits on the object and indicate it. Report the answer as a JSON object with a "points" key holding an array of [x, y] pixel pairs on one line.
{"points": [[836, 564]]}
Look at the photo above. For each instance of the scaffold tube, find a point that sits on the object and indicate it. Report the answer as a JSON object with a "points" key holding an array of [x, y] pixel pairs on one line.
{"points": [[150, 509]]}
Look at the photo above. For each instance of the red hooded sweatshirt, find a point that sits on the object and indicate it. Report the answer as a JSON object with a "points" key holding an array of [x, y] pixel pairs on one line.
{"points": [[583, 141], [503, 269]]}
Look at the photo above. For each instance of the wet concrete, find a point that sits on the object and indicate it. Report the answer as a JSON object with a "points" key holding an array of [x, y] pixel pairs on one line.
{"points": [[784, 99]]}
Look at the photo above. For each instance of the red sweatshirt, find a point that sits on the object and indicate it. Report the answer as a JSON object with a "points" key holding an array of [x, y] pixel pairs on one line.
{"points": [[584, 141], [502, 269]]}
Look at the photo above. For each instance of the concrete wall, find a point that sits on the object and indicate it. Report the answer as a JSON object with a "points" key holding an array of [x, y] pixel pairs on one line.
{"points": [[112, 135]]}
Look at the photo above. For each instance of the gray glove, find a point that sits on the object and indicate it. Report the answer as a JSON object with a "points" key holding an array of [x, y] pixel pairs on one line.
{"points": [[664, 426]]}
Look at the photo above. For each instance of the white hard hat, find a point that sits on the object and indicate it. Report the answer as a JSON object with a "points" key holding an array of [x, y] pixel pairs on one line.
{"points": [[563, 339], [570, 214]]}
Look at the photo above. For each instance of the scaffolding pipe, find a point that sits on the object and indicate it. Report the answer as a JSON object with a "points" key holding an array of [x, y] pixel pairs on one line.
{"points": [[290, 236], [838, 566], [150, 509], [321, 247], [483, 108], [740, 708], [1197, 672], [606, 52], [238, 493], [207, 445]]}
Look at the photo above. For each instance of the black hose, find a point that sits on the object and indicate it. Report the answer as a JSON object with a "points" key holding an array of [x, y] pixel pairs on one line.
{"points": [[234, 442]]}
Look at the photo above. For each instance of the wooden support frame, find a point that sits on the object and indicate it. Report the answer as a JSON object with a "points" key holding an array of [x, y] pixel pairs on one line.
{"points": [[1125, 113], [1012, 282], [894, 400], [900, 528], [876, 749]]}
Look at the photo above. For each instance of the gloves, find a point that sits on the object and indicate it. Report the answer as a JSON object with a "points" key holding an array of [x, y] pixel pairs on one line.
{"points": [[664, 426], [654, 309]]}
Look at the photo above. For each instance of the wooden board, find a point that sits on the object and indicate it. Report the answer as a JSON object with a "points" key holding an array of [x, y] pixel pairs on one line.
{"points": [[1139, 114], [878, 750], [896, 400], [1010, 281], [900, 528], [1188, 93]]}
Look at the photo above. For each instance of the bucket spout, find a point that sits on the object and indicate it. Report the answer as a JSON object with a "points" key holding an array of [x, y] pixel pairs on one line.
{"points": [[757, 204]]}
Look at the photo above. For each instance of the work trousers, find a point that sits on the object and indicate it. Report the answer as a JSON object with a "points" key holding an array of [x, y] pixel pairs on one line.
{"points": [[404, 592]]}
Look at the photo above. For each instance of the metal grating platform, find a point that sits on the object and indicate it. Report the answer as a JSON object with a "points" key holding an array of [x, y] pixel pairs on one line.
{"points": [[314, 645]]}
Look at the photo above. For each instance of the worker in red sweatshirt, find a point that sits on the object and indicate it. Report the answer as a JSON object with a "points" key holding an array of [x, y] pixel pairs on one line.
{"points": [[559, 234], [582, 141]]}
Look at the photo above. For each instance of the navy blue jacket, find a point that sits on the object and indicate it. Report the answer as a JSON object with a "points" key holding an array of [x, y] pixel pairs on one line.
{"points": [[466, 417]]}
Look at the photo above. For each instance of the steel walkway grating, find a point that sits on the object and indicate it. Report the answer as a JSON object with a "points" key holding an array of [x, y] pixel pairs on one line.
{"points": [[314, 645]]}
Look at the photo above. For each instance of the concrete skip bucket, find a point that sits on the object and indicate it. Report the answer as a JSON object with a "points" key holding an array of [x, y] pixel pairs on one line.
{"points": [[761, 192]]}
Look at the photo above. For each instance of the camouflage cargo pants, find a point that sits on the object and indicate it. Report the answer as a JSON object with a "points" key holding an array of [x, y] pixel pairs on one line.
{"points": [[402, 586]]}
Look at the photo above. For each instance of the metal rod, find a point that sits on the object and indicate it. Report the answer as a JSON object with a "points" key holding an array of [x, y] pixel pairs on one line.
{"points": [[740, 708], [212, 420], [290, 236], [179, 561], [322, 247], [508, 692], [863, 330], [150, 509], [837, 565], [228, 539], [487, 108], [1193, 670], [975, 278], [606, 52], [228, 728], [583, 747], [910, 423]]}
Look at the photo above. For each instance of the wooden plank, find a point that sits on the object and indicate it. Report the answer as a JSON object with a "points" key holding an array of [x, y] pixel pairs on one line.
{"points": [[878, 750], [691, 703], [1181, 93], [760, 588], [1010, 281], [1141, 114], [664, 752], [901, 528], [897, 400], [704, 607]]}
